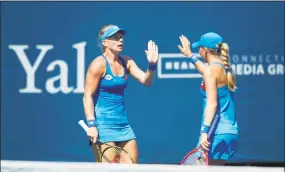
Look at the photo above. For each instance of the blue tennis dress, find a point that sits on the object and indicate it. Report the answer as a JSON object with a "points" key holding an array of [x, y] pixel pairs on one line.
{"points": [[111, 116], [224, 139]]}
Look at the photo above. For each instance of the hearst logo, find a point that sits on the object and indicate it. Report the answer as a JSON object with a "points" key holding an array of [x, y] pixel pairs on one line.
{"points": [[173, 65]]}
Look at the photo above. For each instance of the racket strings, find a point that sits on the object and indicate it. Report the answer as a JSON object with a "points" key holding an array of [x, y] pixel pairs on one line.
{"points": [[115, 155], [195, 159]]}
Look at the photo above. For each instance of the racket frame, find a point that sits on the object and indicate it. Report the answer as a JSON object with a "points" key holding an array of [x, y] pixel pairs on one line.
{"points": [[197, 149], [99, 142], [101, 153]]}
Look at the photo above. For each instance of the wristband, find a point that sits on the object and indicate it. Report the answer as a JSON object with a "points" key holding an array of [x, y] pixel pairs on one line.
{"points": [[205, 129], [91, 123], [193, 59], [152, 66]]}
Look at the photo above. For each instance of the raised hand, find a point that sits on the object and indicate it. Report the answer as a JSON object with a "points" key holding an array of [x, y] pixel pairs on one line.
{"points": [[185, 48], [152, 52]]}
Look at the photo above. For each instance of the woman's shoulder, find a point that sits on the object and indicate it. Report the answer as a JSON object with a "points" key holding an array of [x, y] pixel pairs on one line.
{"points": [[97, 63]]}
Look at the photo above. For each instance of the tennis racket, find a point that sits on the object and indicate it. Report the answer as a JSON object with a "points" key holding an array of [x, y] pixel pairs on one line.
{"points": [[198, 156], [111, 153]]}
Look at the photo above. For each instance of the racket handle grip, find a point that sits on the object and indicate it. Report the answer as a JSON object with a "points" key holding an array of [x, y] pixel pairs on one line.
{"points": [[83, 125], [213, 126]]}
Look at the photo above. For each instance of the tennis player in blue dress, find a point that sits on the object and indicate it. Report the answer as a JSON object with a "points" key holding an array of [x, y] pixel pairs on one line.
{"points": [[217, 90], [106, 81]]}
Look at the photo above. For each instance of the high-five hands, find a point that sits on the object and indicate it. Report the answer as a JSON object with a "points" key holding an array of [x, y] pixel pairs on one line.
{"points": [[185, 48], [152, 52]]}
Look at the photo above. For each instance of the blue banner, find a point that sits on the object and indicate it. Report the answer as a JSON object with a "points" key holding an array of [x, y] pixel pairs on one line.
{"points": [[46, 48]]}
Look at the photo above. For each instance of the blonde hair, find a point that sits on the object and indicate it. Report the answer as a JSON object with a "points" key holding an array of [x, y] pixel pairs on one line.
{"points": [[101, 32], [224, 53]]}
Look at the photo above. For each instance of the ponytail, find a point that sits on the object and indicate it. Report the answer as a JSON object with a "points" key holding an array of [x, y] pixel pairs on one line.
{"points": [[224, 52]]}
